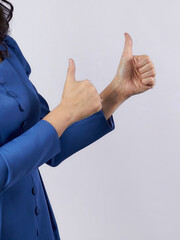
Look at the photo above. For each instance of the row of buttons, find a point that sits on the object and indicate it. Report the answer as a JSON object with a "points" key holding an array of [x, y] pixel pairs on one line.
{"points": [[37, 209], [34, 192]]}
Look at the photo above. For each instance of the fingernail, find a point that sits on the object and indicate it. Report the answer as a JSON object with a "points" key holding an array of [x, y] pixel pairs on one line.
{"points": [[69, 61]]}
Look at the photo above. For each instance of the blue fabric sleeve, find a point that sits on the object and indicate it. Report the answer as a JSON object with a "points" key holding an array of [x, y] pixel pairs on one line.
{"points": [[27, 152], [82, 134]]}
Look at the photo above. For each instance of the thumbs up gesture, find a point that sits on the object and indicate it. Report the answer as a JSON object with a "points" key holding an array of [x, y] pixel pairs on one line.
{"points": [[135, 74], [80, 99]]}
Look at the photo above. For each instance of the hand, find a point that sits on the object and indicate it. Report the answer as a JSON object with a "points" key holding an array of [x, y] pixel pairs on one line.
{"points": [[135, 74], [80, 98]]}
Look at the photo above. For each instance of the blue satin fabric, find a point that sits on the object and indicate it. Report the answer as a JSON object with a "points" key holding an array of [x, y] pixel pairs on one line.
{"points": [[27, 142]]}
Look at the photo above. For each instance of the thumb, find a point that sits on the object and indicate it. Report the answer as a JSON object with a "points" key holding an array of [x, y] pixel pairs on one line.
{"points": [[127, 52], [71, 70]]}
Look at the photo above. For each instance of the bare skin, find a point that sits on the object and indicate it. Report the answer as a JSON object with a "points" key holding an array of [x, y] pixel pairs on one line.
{"points": [[80, 99], [135, 74]]}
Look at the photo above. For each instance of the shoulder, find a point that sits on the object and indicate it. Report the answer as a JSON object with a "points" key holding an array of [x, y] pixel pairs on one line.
{"points": [[12, 43]]}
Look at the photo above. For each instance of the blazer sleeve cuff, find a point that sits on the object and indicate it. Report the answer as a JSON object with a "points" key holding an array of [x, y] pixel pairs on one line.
{"points": [[108, 123]]}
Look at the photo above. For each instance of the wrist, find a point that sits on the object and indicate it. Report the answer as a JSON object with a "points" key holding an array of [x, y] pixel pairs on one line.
{"points": [[59, 118], [119, 91], [65, 113], [111, 99]]}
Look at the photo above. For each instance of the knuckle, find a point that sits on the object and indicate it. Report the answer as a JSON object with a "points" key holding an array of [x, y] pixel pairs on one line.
{"points": [[151, 65], [154, 81], [93, 89], [151, 80], [147, 58], [86, 81], [153, 73]]}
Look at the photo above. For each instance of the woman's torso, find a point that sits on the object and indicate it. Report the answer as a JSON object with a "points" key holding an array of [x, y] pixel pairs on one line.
{"points": [[25, 210]]}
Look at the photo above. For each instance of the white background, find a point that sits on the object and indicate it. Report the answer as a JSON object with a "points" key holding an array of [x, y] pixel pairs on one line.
{"points": [[125, 186]]}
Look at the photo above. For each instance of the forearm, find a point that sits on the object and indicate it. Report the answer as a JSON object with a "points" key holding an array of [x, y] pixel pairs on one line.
{"points": [[59, 115], [112, 99]]}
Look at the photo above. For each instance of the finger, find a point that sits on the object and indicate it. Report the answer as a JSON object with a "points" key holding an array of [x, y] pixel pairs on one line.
{"points": [[71, 70], [127, 52], [150, 81], [150, 73], [142, 60], [146, 68]]}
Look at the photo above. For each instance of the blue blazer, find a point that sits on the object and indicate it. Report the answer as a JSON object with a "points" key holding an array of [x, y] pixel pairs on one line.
{"points": [[26, 142]]}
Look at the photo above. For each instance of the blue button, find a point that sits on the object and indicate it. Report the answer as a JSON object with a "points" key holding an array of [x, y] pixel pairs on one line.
{"points": [[24, 124], [37, 210], [34, 190], [21, 107]]}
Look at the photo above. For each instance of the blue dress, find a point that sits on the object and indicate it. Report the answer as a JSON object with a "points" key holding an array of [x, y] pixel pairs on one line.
{"points": [[26, 142]]}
